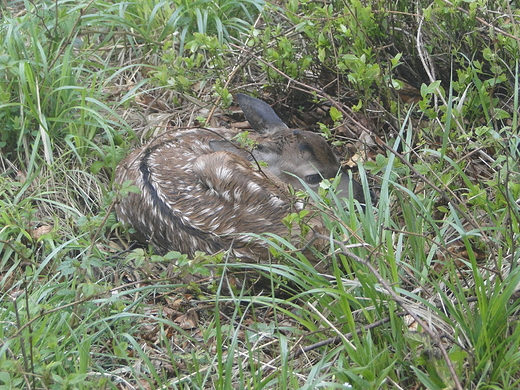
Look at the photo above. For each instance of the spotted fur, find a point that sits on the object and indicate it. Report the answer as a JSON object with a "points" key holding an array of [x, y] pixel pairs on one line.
{"points": [[201, 192]]}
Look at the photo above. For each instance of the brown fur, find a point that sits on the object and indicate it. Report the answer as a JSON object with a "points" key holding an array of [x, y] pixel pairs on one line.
{"points": [[199, 192]]}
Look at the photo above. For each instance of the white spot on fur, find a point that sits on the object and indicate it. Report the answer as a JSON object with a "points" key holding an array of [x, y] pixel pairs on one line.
{"points": [[226, 195], [253, 187], [275, 201], [223, 173]]}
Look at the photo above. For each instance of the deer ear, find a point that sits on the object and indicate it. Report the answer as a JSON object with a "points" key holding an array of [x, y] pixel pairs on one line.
{"points": [[264, 153], [261, 152], [223, 146], [259, 114]]}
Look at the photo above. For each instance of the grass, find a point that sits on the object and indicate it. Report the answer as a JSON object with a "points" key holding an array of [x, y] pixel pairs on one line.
{"points": [[420, 290]]}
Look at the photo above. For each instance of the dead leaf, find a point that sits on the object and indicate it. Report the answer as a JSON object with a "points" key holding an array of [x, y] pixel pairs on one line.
{"points": [[188, 321], [40, 231]]}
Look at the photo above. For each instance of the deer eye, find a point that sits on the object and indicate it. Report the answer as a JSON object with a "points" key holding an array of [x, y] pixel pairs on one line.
{"points": [[313, 179]]}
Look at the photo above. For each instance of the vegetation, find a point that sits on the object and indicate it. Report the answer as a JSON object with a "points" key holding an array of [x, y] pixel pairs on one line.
{"points": [[421, 290]]}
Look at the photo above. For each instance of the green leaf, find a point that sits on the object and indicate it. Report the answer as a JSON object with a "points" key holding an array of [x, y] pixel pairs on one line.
{"points": [[335, 114], [429, 89]]}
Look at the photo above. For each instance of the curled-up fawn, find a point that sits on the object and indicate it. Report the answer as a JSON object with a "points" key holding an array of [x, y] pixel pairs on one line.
{"points": [[201, 191]]}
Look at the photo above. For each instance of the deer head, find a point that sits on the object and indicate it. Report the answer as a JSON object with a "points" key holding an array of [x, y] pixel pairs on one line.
{"points": [[202, 192], [291, 155]]}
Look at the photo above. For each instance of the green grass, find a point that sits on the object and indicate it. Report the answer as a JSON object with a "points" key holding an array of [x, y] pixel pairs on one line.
{"points": [[420, 290]]}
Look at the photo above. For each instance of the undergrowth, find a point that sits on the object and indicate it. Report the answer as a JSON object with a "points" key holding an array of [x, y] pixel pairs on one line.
{"points": [[420, 289]]}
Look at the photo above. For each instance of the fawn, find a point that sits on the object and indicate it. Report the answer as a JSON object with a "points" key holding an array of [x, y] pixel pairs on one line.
{"points": [[201, 191]]}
